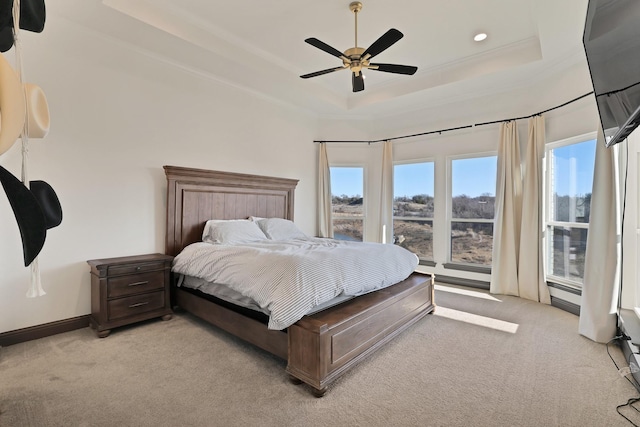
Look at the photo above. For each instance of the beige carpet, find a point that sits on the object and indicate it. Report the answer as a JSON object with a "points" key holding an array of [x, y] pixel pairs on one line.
{"points": [[481, 360]]}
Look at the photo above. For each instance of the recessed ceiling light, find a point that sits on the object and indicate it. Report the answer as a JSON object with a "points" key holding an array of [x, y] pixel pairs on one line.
{"points": [[479, 37]]}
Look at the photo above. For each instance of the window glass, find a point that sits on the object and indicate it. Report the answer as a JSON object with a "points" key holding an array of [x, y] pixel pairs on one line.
{"points": [[570, 178], [473, 186], [567, 249], [413, 206], [471, 242], [347, 202]]}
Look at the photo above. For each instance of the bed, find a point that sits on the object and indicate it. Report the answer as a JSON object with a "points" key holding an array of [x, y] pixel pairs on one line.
{"points": [[318, 348]]}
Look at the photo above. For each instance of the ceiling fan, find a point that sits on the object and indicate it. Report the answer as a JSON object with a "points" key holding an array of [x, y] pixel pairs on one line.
{"points": [[356, 59]]}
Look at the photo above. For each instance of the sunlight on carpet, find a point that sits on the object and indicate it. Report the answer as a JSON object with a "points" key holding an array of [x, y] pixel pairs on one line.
{"points": [[466, 292], [475, 319]]}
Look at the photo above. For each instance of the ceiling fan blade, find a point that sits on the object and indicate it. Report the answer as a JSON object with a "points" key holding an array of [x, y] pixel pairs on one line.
{"points": [[321, 72], [395, 68], [357, 82], [385, 41], [325, 47]]}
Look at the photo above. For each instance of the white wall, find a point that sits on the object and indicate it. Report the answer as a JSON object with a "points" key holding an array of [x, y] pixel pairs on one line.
{"points": [[118, 116]]}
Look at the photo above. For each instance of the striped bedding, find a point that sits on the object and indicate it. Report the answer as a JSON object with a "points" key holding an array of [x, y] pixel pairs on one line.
{"points": [[289, 278]]}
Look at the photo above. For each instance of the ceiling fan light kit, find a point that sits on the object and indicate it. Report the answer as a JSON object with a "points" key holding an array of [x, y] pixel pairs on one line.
{"points": [[357, 59]]}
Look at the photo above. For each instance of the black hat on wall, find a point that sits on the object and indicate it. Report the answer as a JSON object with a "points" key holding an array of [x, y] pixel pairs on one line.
{"points": [[36, 210], [48, 201], [32, 17]]}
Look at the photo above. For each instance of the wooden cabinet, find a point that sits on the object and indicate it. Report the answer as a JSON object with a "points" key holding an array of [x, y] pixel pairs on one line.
{"points": [[129, 289]]}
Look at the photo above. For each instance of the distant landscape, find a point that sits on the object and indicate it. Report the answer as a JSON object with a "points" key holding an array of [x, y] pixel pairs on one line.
{"points": [[472, 242]]}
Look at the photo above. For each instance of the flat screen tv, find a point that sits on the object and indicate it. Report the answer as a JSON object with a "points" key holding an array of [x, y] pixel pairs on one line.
{"points": [[612, 45]]}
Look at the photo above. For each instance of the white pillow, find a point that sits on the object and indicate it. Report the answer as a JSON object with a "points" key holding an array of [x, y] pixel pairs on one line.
{"points": [[231, 232], [280, 229]]}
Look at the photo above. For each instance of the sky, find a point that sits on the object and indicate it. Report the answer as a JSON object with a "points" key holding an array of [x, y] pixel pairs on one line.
{"points": [[418, 178], [474, 176], [347, 181], [574, 177], [413, 178]]}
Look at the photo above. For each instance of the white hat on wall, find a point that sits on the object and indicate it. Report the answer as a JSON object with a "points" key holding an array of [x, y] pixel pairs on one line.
{"points": [[12, 106], [38, 119]]}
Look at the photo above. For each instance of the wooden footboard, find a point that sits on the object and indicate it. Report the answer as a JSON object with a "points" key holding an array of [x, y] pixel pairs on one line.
{"points": [[327, 344]]}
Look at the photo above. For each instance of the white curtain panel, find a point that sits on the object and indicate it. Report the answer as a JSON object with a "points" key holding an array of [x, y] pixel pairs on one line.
{"points": [[531, 282], [325, 222], [385, 234], [598, 308], [508, 213]]}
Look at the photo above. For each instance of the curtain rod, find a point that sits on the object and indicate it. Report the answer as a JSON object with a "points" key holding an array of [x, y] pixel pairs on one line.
{"points": [[456, 128]]}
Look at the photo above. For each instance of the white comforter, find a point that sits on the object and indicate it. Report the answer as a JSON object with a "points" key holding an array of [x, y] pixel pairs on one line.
{"points": [[289, 278]]}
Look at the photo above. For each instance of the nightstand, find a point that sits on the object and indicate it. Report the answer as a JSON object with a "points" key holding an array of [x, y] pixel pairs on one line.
{"points": [[129, 289]]}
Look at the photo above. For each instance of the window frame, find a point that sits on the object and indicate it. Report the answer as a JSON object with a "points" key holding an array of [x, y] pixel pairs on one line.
{"points": [[449, 211], [432, 160], [364, 197], [548, 206]]}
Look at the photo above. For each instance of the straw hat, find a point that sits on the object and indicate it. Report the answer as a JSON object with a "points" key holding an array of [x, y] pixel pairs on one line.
{"points": [[38, 119], [12, 106]]}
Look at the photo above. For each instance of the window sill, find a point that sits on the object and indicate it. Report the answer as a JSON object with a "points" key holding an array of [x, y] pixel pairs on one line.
{"points": [[427, 263], [467, 267]]}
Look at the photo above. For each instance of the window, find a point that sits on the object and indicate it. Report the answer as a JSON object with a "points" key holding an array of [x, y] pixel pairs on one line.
{"points": [[569, 178], [413, 192], [471, 209], [347, 207]]}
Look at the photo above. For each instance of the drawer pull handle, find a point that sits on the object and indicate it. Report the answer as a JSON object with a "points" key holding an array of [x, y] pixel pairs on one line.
{"points": [[138, 283], [138, 304]]}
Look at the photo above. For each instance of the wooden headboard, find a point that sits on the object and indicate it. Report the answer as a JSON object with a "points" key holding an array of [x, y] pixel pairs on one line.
{"points": [[197, 195]]}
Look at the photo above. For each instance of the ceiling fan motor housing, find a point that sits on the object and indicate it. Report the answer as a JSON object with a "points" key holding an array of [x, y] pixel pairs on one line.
{"points": [[355, 63]]}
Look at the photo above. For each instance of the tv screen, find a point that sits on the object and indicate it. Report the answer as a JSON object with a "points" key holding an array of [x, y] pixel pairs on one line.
{"points": [[612, 45]]}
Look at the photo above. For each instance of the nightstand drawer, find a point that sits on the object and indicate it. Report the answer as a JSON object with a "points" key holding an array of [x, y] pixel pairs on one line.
{"points": [[129, 289], [131, 306], [134, 283], [117, 270]]}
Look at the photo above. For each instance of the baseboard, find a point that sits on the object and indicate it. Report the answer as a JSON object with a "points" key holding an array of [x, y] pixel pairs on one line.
{"points": [[42, 331], [462, 282], [565, 305]]}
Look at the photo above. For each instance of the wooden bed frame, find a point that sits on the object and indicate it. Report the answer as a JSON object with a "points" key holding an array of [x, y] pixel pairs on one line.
{"points": [[318, 348]]}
